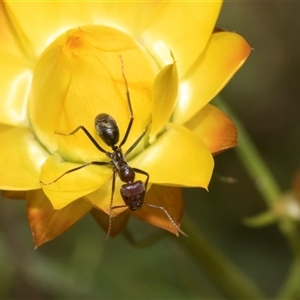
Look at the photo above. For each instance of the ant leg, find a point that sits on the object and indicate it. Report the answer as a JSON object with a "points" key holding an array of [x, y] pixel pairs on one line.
{"points": [[129, 104], [144, 173], [159, 207], [87, 134], [169, 217], [135, 143], [100, 163], [111, 203]]}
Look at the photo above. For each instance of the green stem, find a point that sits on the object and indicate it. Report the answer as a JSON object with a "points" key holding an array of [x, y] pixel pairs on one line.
{"points": [[261, 175], [291, 288], [252, 160], [231, 280], [270, 192]]}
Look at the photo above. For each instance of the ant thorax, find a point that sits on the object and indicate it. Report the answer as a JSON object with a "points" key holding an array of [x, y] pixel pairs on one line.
{"points": [[117, 157]]}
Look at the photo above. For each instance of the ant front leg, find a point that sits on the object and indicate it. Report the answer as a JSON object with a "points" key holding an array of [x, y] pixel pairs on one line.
{"points": [[135, 143], [87, 134], [99, 163], [129, 105]]}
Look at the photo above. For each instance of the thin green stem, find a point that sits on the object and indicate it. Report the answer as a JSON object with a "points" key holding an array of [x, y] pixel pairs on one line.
{"points": [[270, 192], [291, 288], [260, 174], [228, 277], [252, 160]]}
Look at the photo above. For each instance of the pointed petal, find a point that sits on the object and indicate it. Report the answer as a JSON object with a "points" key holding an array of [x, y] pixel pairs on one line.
{"points": [[73, 185], [224, 55], [178, 157], [169, 198], [182, 27], [118, 223], [164, 95], [15, 81], [21, 159], [47, 223], [217, 130]]}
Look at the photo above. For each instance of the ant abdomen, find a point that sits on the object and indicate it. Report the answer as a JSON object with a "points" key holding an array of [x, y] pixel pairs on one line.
{"points": [[107, 129], [133, 194]]}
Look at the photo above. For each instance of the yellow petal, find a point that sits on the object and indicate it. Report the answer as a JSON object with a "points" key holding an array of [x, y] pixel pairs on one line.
{"points": [[86, 80], [216, 130], [21, 159], [178, 157], [15, 81], [224, 55], [127, 16], [47, 223], [101, 197], [164, 95], [118, 223], [73, 185], [8, 41], [53, 17], [182, 27], [170, 198]]}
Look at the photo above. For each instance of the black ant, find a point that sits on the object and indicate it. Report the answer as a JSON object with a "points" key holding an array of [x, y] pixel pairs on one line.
{"points": [[132, 192]]}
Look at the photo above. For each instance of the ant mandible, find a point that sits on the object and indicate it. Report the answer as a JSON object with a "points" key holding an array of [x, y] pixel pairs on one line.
{"points": [[132, 192]]}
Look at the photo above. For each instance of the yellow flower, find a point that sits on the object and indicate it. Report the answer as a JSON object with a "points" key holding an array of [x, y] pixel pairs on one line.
{"points": [[61, 67]]}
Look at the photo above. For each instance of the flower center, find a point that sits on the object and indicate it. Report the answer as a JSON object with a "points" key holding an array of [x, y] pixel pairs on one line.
{"points": [[80, 76]]}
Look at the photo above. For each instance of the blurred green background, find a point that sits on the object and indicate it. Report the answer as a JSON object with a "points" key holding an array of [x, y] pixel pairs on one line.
{"points": [[265, 94]]}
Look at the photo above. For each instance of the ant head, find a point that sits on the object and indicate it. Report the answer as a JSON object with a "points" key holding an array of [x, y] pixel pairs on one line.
{"points": [[107, 129], [133, 194]]}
